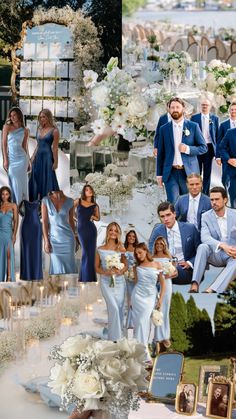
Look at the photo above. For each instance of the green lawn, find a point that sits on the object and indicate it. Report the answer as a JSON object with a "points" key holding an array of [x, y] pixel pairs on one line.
{"points": [[192, 365], [5, 72]]}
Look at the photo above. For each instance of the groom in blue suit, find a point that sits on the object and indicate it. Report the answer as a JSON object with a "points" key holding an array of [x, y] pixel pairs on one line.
{"points": [[182, 238], [208, 124], [180, 142], [228, 153]]}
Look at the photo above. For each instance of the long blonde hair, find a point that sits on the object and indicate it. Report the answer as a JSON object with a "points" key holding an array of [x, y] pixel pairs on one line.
{"points": [[165, 246], [49, 116], [118, 240]]}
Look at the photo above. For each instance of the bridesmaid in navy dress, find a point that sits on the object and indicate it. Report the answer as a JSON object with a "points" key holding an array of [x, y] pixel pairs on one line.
{"points": [[87, 213], [45, 158], [31, 242]]}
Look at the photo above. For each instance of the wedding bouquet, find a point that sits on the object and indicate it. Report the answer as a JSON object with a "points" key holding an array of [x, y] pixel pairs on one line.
{"points": [[157, 317], [98, 374], [168, 268], [113, 262]]}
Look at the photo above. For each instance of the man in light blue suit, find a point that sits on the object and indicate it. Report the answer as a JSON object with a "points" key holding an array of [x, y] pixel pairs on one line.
{"points": [[208, 124], [180, 142], [228, 154], [218, 248], [224, 126], [190, 207], [182, 238], [162, 121]]}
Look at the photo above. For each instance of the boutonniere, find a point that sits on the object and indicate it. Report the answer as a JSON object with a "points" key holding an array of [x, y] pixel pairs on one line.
{"points": [[210, 121], [186, 132]]}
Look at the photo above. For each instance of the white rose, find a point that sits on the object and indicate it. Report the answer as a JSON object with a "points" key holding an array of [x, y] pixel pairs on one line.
{"points": [[61, 376], [90, 78], [100, 95], [214, 64], [134, 376], [112, 368], [221, 80], [132, 349], [105, 348], [88, 385], [137, 107], [75, 345]]}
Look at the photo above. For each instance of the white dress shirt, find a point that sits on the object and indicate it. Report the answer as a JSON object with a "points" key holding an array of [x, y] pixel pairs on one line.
{"points": [[175, 242], [206, 127], [177, 134], [232, 124], [222, 223], [193, 209]]}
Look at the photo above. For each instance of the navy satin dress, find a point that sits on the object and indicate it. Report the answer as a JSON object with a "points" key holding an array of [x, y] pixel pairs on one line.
{"points": [[31, 243], [43, 178], [87, 233]]}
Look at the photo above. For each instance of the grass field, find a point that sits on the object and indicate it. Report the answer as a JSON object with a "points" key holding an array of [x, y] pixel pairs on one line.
{"points": [[192, 365]]}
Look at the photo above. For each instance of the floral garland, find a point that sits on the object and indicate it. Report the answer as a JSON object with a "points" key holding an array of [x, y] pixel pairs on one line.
{"points": [[221, 81], [87, 47]]}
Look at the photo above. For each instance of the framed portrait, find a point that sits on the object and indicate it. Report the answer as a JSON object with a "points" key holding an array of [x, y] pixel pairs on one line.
{"points": [[233, 378], [219, 399], [206, 374], [186, 399]]}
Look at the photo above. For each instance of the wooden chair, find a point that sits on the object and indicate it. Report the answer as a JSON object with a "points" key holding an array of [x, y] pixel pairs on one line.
{"points": [[233, 46], [211, 54], [5, 298], [205, 42], [191, 39], [178, 46], [193, 50], [232, 59], [221, 50], [166, 44]]}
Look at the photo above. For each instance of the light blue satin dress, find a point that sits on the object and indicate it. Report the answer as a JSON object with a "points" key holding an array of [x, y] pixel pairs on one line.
{"points": [[18, 165], [129, 286], [5, 245], [143, 301], [61, 237], [114, 298], [163, 332]]}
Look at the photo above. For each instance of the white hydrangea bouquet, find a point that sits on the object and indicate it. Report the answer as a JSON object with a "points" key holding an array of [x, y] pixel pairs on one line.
{"points": [[157, 317], [175, 62], [94, 374], [113, 262], [119, 100]]}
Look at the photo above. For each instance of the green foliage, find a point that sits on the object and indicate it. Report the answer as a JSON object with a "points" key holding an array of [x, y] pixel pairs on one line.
{"points": [[130, 6], [225, 327], [178, 323]]}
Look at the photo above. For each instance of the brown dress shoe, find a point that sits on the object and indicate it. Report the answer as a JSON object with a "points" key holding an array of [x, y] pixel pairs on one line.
{"points": [[194, 288]]}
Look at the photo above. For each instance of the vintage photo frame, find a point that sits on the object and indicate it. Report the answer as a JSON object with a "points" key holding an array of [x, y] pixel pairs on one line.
{"points": [[186, 405], [206, 372], [220, 399], [233, 378]]}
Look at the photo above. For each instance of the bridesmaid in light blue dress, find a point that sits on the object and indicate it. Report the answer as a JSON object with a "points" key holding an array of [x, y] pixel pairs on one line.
{"points": [[59, 232], [144, 295], [163, 256], [131, 240], [8, 230], [15, 154], [114, 295]]}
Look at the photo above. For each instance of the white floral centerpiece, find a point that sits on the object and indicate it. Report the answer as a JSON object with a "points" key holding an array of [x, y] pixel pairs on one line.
{"points": [[94, 374], [175, 62], [113, 262], [221, 81], [120, 102]]}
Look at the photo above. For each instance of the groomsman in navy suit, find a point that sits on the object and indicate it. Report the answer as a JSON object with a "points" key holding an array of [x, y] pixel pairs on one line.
{"points": [[190, 207], [224, 126], [228, 153], [180, 142], [209, 125], [182, 238], [162, 121]]}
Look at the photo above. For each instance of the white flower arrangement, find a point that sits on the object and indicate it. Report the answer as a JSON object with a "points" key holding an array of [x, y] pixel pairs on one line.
{"points": [[8, 346], [113, 262], [221, 81], [98, 374], [175, 62], [186, 132], [119, 101]]}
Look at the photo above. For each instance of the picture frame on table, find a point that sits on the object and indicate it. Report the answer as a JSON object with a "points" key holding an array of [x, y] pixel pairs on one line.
{"points": [[206, 374], [233, 378], [220, 399], [186, 399]]}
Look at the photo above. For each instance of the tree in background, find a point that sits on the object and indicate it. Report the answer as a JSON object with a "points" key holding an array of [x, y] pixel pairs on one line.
{"points": [[178, 323], [130, 6], [193, 317], [225, 320]]}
